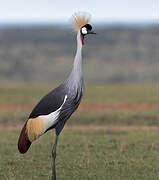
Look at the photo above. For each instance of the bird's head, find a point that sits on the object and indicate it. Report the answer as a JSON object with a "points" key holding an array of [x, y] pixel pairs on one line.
{"points": [[86, 29], [80, 21]]}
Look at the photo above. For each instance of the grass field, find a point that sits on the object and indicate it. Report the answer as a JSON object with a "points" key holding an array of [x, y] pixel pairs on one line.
{"points": [[94, 146], [15, 94], [101, 105], [87, 154]]}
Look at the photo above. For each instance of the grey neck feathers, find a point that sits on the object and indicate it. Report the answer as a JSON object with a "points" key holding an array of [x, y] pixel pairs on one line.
{"points": [[76, 73], [77, 65]]}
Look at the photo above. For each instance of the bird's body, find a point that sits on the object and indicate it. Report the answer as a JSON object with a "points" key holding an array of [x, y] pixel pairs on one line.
{"points": [[56, 107]]}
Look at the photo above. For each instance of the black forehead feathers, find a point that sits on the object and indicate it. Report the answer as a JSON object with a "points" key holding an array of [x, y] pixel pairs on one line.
{"points": [[88, 26]]}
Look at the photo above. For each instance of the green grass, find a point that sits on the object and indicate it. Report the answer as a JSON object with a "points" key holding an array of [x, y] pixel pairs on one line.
{"points": [[122, 93], [85, 154], [127, 118], [13, 117], [22, 94], [101, 118], [88, 155], [93, 93], [135, 93]]}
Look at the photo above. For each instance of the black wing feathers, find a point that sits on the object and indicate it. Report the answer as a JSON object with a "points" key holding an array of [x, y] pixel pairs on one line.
{"points": [[49, 103]]}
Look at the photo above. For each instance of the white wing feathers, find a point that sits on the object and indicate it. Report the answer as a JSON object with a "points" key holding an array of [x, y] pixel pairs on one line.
{"points": [[51, 119]]}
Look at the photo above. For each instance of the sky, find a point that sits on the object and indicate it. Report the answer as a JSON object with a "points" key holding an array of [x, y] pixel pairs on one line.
{"points": [[57, 11]]}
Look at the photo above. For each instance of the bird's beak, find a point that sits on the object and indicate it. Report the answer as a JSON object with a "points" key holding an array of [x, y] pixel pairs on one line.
{"points": [[92, 32]]}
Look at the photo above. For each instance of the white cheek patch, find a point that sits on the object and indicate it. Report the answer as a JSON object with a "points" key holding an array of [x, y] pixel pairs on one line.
{"points": [[84, 30]]}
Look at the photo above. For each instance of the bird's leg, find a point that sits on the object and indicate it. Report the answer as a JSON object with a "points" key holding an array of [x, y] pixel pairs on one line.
{"points": [[53, 159]]}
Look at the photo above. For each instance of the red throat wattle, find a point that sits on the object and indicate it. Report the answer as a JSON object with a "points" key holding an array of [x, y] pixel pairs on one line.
{"points": [[82, 39]]}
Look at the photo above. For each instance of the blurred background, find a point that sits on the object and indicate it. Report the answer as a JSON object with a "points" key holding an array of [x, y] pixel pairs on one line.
{"points": [[37, 43], [120, 63]]}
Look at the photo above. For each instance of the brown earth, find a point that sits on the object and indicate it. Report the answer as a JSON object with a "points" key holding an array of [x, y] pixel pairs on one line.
{"points": [[15, 107], [91, 106]]}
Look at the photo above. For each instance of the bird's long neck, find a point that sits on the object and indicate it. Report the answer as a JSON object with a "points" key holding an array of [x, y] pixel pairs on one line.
{"points": [[77, 65], [76, 73]]}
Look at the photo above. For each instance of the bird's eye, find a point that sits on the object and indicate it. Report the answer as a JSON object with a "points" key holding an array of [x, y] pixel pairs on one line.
{"points": [[84, 30]]}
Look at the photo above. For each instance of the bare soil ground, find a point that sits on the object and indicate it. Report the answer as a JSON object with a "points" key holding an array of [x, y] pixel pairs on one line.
{"points": [[91, 106], [15, 107]]}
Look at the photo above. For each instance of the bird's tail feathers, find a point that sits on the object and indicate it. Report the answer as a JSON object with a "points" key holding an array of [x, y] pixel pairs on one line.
{"points": [[23, 142]]}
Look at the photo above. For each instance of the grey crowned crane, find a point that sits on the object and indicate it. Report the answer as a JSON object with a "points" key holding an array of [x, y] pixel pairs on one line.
{"points": [[56, 107]]}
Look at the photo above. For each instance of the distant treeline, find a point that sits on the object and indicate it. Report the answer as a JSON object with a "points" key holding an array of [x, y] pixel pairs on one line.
{"points": [[114, 55]]}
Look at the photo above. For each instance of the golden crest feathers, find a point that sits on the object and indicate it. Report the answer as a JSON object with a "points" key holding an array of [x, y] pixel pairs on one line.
{"points": [[80, 19]]}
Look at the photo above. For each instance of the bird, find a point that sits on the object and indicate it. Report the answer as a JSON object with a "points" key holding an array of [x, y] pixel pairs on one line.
{"points": [[55, 108]]}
